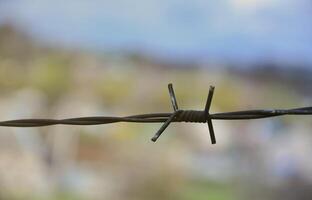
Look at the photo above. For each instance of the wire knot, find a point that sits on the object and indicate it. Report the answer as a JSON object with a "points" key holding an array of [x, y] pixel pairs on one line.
{"points": [[194, 116]]}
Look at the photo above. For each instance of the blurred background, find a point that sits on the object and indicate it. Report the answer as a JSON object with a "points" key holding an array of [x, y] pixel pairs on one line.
{"points": [[74, 58]]}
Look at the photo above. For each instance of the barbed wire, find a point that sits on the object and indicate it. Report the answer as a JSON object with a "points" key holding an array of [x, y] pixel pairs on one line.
{"points": [[178, 115]]}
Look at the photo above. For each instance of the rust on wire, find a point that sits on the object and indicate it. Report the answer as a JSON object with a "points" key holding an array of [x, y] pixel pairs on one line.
{"points": [[178, 115]]}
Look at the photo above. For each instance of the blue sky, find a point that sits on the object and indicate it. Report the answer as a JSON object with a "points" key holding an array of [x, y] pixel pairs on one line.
{"points": [[237, 30]]}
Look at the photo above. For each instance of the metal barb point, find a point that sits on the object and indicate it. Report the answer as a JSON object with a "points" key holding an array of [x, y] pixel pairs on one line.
{"points": [[207, 115], [172, 97], [164, 126], [174, 114]]}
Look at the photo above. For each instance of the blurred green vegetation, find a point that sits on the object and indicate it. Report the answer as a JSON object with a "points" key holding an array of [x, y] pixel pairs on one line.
{"points": [[128, 85], [203, 190], [51, 75]]}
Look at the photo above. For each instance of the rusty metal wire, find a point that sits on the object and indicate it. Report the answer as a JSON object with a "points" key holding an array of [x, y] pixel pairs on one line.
{"points": [[178, 115]]}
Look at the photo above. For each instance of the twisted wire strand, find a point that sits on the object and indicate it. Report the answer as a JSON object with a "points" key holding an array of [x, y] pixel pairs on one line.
{"points": [[193, 116]]}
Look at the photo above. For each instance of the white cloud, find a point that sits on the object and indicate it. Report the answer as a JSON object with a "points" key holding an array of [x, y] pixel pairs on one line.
{"points": [[253, 5]]}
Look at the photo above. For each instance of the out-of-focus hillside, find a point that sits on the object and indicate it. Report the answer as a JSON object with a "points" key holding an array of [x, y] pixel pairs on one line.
{"points": [[262, 159]]}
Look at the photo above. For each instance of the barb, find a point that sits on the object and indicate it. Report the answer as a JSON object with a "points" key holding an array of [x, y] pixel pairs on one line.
{"points": [[178, 115]]}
